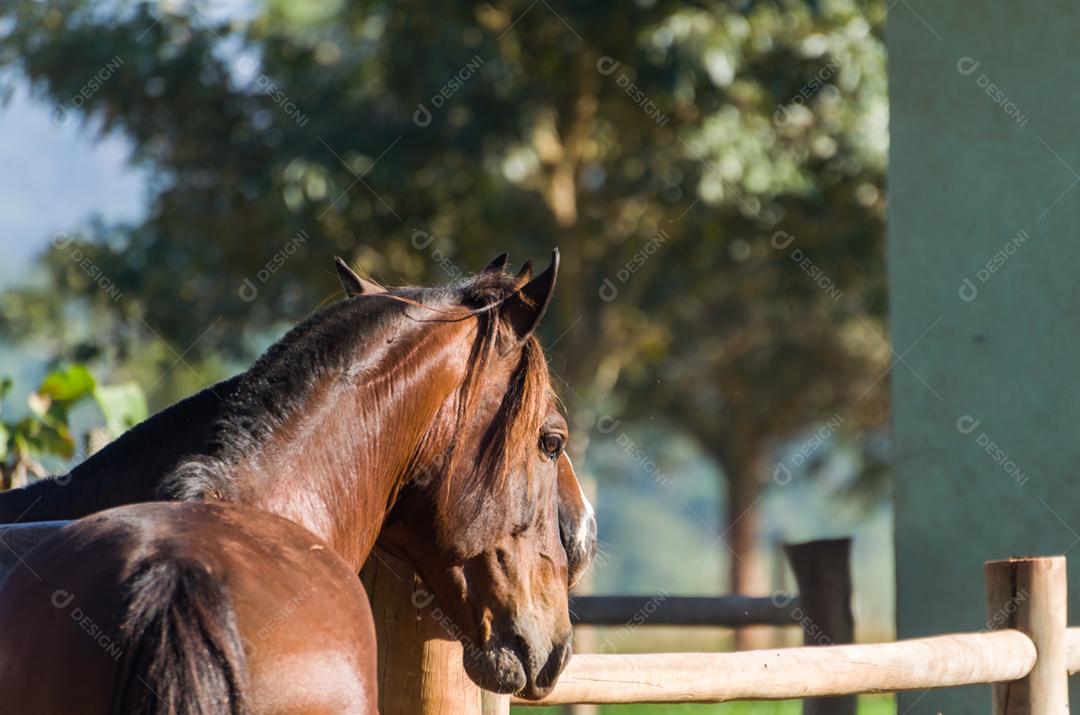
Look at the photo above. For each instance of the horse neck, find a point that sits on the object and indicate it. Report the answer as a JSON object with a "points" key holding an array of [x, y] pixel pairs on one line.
{"points": [[337, 468], [128, 469]]}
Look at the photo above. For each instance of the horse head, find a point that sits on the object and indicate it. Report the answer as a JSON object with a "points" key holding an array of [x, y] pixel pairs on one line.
{"points": [[491, 516]]}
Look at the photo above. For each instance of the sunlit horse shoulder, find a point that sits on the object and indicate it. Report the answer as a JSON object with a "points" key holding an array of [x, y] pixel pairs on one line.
{"points": [[419, 418]]}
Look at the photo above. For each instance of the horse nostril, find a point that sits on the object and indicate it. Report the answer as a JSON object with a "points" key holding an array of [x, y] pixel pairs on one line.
{"points": [[557, 660]]}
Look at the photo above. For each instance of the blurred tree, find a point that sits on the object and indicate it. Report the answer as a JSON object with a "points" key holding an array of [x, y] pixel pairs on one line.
{"points": [[663, 145]]}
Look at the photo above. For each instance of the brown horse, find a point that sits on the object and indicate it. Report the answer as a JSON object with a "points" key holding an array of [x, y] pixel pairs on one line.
{"points": [[185, 607], [134, 467], [419, 417]]}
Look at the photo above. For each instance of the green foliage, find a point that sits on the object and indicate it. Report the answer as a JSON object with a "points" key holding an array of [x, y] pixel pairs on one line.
{"points": [[662, 145], [46, 430], [538, 147], [123, 406]]}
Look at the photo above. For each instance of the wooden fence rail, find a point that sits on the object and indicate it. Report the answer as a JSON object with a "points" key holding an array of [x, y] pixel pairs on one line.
{"points": [[728, 611], [937, 662], [918, 664]]}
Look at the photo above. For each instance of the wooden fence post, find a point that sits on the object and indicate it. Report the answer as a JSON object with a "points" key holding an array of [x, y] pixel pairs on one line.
{"points": [[420, 664], [1030, 595], [494, 704], [823, 572]]}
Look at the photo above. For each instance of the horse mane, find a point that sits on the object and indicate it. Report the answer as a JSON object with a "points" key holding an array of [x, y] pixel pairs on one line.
{"points": [[516, 424], [330, 343]]}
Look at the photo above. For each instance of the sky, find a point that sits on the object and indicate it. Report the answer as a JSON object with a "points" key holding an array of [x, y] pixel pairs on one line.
{"points": [[55, 176]]}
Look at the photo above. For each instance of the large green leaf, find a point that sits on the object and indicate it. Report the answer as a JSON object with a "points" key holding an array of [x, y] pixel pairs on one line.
{"points": [[3, 441], [123, 405], [68, 385]]}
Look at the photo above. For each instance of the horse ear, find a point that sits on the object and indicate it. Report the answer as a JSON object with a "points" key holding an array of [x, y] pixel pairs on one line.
{"points": [[354, 284], [526, 306], [524, 275], [497, 263]]}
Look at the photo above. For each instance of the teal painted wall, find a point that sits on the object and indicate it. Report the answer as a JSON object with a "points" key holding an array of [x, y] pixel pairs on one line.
{"points": [[984, 260]]}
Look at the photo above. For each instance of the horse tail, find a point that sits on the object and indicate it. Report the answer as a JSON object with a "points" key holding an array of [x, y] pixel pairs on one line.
{"points": [[181, 650]]}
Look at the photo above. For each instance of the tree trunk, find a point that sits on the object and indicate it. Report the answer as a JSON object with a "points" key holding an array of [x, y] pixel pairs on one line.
{"points": [[748, 575]]}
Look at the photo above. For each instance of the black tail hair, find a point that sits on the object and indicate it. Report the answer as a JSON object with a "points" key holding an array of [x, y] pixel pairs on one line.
{"points": [[181, 649]]}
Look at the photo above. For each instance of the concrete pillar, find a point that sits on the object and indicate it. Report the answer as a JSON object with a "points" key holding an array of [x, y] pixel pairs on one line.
{"points": [[984, 262]]}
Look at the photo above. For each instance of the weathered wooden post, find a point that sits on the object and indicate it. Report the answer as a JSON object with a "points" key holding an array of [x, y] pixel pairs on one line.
{"points": [[421, 671], [1030, 595], [823, 572]]}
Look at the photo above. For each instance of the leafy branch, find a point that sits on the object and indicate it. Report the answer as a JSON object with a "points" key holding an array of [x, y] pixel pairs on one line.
{"points": [[46, 430]]}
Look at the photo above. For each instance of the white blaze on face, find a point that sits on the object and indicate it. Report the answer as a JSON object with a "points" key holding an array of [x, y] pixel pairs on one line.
{"points": [[581, 536]]}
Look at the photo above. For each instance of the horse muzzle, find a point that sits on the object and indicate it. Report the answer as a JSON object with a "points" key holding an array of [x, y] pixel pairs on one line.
{"points": [[525, 664]]}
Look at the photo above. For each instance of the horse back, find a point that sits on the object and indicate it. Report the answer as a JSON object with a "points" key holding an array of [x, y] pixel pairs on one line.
{"points": [[234, 609]]}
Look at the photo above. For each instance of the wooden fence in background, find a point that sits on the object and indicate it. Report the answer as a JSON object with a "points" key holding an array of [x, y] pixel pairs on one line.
{"points": [[823, 608], [1025, 653]]}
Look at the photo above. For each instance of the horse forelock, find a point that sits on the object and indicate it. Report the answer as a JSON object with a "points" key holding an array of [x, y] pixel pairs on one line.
{"points": [[522, 409]]}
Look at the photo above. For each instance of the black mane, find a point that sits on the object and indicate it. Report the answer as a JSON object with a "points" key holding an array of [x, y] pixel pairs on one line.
{"points": [[328, 344]]}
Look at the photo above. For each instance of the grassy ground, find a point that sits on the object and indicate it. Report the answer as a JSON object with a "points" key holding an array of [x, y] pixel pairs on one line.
{"points": [[868, 705]]}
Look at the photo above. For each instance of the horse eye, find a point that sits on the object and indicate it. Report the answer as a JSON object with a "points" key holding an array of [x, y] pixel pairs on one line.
{"points": [[552, 445]]}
